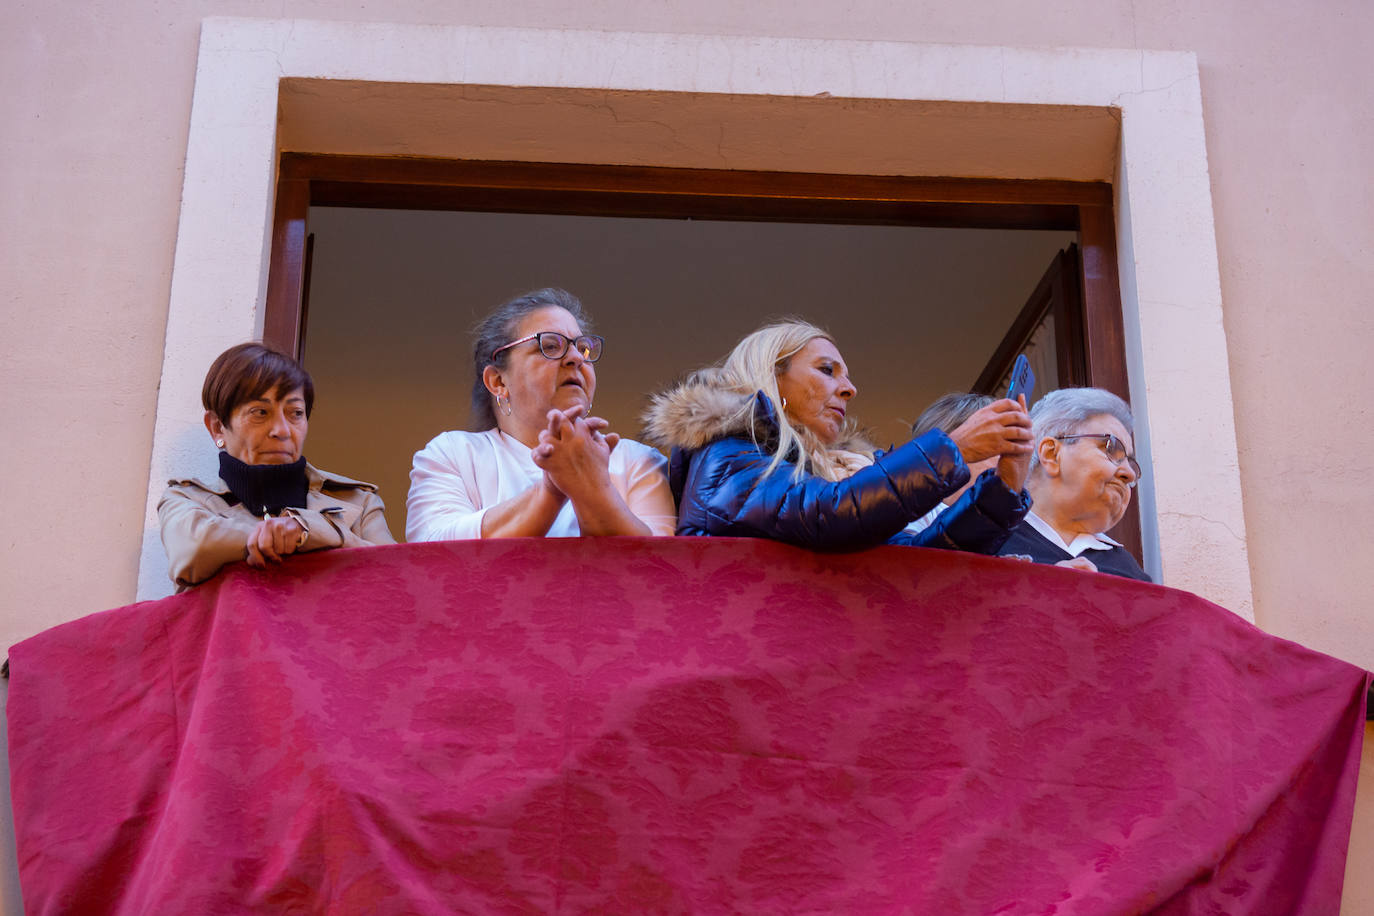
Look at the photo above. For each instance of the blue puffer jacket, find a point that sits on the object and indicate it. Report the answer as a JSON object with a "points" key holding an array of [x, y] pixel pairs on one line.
{"points": [[717, 474]]}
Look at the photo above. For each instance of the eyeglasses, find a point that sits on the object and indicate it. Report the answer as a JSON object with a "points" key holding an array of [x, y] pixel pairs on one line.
{"points": [[1114, 449], [553, 345]]}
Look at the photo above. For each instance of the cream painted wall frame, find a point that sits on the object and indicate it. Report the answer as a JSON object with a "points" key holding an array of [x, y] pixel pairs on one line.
{"points": [[946, 105]]}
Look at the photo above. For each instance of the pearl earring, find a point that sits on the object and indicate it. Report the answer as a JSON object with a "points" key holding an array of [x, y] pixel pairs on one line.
{"points": [[219, 443]]}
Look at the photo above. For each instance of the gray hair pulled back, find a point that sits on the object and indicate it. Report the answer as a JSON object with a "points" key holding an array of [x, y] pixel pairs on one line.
{"points": [[949, 412], [498, 329], [1062, 412]]}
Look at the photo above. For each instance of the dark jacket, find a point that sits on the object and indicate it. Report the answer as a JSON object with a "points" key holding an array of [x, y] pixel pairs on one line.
{"points": [[1026, 541], [717, 475]]}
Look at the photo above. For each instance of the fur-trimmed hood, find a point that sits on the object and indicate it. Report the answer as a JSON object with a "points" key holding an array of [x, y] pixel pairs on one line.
{"points": [[703, 409]]}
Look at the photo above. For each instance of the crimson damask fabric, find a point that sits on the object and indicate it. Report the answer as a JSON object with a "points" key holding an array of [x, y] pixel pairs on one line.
{"points": [[678, 725]]}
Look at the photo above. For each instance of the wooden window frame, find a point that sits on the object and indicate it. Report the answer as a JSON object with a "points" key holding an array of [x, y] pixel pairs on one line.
{"points": [[1059, 296], [305, 180]]}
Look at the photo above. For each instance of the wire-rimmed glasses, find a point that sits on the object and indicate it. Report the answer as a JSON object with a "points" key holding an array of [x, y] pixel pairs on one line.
{"points": [[1114, 449]]}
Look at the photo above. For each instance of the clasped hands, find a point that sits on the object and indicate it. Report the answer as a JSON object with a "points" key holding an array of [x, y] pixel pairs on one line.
{"points": [[574, 452], [273, 539]]}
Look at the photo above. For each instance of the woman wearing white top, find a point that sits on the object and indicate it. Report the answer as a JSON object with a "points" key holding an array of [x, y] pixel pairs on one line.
{"points": [[542, 465]]}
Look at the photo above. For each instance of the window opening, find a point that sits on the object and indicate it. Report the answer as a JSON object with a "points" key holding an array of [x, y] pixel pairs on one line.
{"points": [[780, 227]]}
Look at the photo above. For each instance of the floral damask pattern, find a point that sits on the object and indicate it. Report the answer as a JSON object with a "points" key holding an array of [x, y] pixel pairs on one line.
{"points": [[674, 726]]}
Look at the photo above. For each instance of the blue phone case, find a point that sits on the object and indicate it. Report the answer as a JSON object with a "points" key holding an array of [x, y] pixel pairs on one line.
{"points": [[1022, 379]]}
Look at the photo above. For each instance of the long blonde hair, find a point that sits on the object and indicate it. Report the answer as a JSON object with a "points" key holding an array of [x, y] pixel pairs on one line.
{"points": [[754, 365]]}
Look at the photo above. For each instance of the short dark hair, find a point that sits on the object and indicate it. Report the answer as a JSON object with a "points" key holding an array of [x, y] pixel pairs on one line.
{"points": [[950, 412], [249, 371], [498, 329]]}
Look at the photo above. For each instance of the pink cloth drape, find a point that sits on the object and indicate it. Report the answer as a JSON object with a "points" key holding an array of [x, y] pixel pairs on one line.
{"points": [[678, 725]]}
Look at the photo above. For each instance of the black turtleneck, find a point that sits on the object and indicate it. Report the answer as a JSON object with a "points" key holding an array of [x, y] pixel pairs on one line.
{"points": [[265, 487]]}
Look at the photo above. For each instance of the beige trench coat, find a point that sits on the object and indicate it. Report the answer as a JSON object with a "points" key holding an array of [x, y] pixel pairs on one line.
{"points": [[201, 531]]}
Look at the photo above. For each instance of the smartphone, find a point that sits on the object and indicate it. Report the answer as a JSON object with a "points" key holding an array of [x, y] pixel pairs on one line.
{"points": [[1022, 379]]}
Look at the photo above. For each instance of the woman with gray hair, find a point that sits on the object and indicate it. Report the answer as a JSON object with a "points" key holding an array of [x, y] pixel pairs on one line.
{"points": [[1083, 470], [536, 463], [951, 411]]}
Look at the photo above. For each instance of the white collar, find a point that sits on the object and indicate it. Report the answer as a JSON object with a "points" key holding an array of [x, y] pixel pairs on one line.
{"points": [[1080, 543]]}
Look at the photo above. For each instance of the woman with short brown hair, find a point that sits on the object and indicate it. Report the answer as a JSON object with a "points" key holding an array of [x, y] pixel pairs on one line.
{"points": [[268, 501]]}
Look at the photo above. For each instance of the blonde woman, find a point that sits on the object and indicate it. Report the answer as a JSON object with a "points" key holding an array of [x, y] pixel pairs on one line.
{"points": [[764, 445]]}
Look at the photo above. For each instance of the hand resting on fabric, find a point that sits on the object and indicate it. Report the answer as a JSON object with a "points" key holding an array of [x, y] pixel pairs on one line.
{"points": [[272, 540]]}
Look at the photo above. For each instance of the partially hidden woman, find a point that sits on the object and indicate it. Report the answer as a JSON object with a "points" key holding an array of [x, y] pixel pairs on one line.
{"points": [[537, 462], [268, 501], [764, 446], [950, 412]]}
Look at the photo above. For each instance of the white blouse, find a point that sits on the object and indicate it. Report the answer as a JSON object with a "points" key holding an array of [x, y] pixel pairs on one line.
{"points": [[1081, 542], [458, 475]]}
